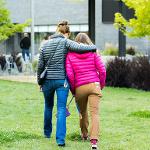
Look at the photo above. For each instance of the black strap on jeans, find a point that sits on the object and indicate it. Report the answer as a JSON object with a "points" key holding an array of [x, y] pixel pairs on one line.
{"points": [[70, 102], [50, 58]]}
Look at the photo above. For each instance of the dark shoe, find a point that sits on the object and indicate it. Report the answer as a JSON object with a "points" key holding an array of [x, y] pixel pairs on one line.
{"points": [[61, 145], [84, 137]]}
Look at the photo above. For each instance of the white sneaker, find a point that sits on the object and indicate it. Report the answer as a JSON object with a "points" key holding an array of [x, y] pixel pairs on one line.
{"points": [[94, 146]]}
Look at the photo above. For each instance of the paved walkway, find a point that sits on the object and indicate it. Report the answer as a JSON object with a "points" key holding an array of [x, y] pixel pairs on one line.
{"points": [[20, 78]]}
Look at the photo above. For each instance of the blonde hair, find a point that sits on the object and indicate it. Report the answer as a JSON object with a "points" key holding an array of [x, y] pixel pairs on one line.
{"points": [[63, 27], [83, 38]]}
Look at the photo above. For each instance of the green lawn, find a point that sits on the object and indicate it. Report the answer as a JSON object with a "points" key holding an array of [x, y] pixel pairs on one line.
{"points": [[124, 120]]}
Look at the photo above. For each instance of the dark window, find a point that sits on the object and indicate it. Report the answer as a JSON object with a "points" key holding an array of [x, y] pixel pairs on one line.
{"points": [[130, 13], [110, 7]]}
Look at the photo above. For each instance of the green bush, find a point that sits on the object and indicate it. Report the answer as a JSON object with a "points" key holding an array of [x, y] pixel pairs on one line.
{"points": [[34, 65], [111, 51], [131, 50]]}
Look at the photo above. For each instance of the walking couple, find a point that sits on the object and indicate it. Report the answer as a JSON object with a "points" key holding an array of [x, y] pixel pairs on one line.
{"points": [[73, 65]]}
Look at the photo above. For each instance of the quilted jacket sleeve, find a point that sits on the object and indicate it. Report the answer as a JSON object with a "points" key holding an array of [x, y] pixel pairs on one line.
{"points": [[79, 48], [101, 69], [70, 74], [41, 65]]}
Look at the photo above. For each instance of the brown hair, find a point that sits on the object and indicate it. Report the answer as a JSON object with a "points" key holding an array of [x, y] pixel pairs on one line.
{"points": [[63, 27], [83, 38]]}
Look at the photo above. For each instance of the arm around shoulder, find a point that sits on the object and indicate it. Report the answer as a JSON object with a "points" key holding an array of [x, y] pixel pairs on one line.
{"points": [[80, 48]]}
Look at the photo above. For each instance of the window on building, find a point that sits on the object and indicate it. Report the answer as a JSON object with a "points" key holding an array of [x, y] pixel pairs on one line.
{"points": [[110, 7]]}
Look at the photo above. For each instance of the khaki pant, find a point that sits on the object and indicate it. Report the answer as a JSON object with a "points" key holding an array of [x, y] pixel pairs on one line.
{"points": [[89, 93]]}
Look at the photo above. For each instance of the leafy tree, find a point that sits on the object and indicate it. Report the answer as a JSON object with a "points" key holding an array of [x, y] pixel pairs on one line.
{"points": [[139, 26], [7, 28]]}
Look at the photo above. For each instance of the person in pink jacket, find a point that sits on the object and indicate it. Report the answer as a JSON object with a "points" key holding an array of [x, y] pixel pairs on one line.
{"points": [[86, 73]]}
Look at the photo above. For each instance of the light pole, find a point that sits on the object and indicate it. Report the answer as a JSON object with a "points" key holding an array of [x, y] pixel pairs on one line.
{"points": [[122, 37], [91, 19], [32, 30]]}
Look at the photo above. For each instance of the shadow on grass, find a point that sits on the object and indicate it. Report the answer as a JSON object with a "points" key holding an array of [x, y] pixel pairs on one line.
{"points": [[74, 137], [12, 136], [141, 114]]}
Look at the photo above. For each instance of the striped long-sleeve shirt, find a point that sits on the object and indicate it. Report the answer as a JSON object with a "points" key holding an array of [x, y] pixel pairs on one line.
{"points": [[56, 49]]}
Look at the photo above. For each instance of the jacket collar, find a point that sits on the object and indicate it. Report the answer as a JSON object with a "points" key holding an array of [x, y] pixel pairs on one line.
{"points": [[57, 35]]}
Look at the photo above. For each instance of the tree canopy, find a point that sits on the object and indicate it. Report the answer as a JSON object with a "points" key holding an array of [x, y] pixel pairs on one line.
{"points": [[139, 26], [7, 28]]}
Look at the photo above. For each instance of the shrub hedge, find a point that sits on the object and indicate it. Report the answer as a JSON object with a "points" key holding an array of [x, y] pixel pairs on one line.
{"points": [[140, 73], [117, 73], [125, 73]]}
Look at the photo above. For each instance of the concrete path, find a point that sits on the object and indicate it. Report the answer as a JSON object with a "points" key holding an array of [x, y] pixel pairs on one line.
{"points": [[20, 78]]}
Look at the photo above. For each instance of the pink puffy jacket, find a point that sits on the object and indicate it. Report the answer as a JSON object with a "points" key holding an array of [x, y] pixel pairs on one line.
{"points": [[85, 68]]}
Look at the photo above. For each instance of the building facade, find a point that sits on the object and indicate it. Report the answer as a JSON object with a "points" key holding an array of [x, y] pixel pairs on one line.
{"points": [[49, 12], [106, 33]]}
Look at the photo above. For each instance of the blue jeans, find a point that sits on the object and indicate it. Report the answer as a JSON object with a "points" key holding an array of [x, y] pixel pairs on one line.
{"points": [[49, 87], [24, 53]]}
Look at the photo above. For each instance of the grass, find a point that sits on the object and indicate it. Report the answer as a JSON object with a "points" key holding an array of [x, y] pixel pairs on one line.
{"points": [[141, 114], [124, 120]]}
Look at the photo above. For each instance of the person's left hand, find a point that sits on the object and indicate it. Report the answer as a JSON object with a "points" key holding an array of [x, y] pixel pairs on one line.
{"points": [[40, 88]]}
